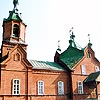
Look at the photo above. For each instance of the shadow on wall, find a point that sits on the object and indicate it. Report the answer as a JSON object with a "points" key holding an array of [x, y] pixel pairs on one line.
{"points": [[89, 93]]}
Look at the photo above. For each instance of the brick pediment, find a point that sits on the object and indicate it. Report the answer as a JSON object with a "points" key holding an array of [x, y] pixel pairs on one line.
{"points": [[16, 59]]}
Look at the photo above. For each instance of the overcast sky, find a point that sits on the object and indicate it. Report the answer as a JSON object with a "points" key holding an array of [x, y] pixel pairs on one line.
{"points": [[50, 20]]}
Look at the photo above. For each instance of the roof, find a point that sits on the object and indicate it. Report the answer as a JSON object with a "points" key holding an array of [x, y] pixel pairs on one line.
{"points": [[71, 56], [4, 57], [13, 16], [92, 77], [46, 65]]}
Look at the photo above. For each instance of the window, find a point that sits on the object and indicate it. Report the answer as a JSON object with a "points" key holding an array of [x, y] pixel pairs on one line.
{"points": [[80, 87], [15, 30], [83, 70], [40, 87], [88, 55], [96, 68], [16, 57], [16, 86], [60, 87]]}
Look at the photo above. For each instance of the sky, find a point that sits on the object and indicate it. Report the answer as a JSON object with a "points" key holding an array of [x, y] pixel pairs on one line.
{"points": [[51, 20]]}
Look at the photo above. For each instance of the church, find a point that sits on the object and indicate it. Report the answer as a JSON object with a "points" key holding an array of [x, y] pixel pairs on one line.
{"points": [[74, 74]]}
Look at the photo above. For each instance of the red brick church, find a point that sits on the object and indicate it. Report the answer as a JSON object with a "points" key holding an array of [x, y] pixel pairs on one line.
{"points": [[74, 74]]}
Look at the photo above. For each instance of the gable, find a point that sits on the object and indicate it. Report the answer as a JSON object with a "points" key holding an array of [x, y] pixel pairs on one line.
{"points": [[74, 58], [89, 64], [16, 59]]}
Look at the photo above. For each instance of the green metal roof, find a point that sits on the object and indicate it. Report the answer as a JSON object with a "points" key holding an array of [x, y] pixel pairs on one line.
{"points": [[46, 65], [13, 16], [71, 56], [92, 77]]}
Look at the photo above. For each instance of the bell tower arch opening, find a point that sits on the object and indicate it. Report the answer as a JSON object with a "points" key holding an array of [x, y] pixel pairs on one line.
{"points": [[15, 30]]}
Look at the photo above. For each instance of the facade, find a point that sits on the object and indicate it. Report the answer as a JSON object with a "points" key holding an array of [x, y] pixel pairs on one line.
{"points": [[74, 74], [84, 70]]}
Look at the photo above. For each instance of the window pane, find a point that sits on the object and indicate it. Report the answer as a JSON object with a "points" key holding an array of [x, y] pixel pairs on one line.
{"points": [[17, 92], [14, 81], [17, 81], [14, 92], [17, 87]]}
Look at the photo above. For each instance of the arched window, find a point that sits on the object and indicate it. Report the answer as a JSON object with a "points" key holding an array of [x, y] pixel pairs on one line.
{"points": [[80, 87], [83, 67], [16, 57], [60, 88], [88, 54], [15, 30], [40, 87], [96, 68], [16, 87]]}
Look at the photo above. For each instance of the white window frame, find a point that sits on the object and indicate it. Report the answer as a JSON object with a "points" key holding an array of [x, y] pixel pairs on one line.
{"points": [[60, 88], [16, 87], [80, 87], [83, 67], [97, 68], [40, 87]]}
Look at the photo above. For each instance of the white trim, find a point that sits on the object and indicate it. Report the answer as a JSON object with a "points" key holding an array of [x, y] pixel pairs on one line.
{"points": [[16, 87]]}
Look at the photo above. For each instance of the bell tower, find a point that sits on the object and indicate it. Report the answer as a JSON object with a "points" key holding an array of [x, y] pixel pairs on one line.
{"points": [[14, 30]]}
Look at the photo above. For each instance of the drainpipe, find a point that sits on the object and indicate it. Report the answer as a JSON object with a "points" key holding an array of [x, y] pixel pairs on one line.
{"points": [[0, 73], [27, 84], [71, 88], [96, 90]]}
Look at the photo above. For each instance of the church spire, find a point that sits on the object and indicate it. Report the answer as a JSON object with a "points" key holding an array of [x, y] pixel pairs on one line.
{"points": [[59, 45], [14, 15], [59, 49], [15, 2], [89, 44], [71, 41]]}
